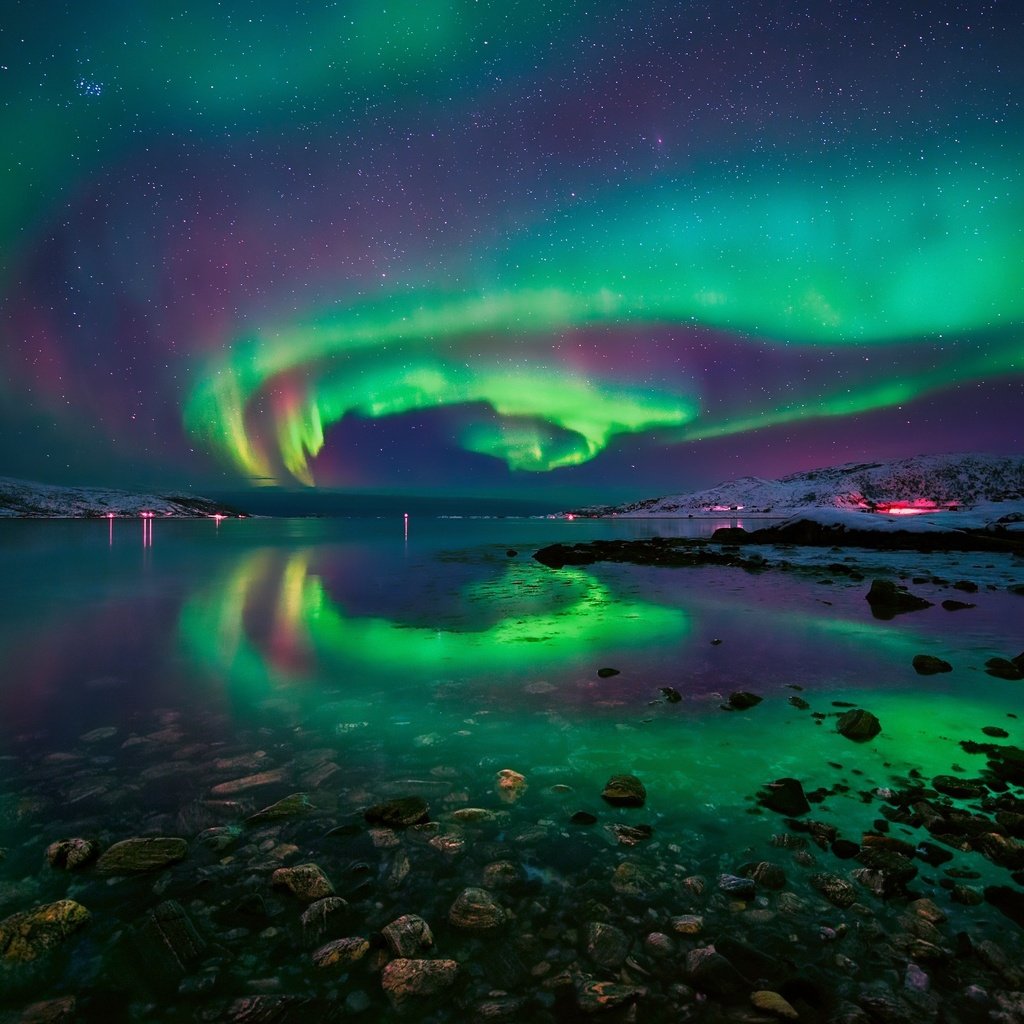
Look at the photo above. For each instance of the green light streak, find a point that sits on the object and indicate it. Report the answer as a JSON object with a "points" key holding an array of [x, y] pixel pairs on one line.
{"points": [[907, 259]]}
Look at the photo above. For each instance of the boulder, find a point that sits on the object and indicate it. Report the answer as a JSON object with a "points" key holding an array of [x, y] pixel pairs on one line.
{"points": [[1003, 668], [624, 791], [741, 700], [476, 910], [887, 600], [135, 856], [306, 882], [29, 935], [633, 879], [607, 945], [736, 887], [294, 806], [321, 917], [786, 796], [858, 725], [72, 853], [408, 935], [398, 813], [341, 952], [166, 946], [406, 980], [836, 890], [929, 665]]}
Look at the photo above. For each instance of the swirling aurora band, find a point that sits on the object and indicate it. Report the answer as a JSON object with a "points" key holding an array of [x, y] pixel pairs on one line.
{"points": [[915, 260]]}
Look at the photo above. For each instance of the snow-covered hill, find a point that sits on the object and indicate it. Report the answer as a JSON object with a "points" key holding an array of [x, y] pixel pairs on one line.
{"points": [[924, 483], [24, 499]]}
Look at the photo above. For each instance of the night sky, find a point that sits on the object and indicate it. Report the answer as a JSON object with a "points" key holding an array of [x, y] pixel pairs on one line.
{"points": [[530, 248]]}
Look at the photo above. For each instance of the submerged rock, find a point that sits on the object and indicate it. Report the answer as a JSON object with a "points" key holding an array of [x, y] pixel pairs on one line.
{"points": [[72, 853], [1003, 668], [858, 725], [408, 935], [306, 882], [607, 945], [929, 665], [773, 1003], [476, 910], [29, 935], [406, 980], [887, 600], [341, 952], [294, 806], [599, 996], [785, 796], [741, 700], [398, 813], [624, 791], [135, 856], [166, 946], [511, 785]]}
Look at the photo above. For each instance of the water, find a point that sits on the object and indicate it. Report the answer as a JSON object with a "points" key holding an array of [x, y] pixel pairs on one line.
{"points": [[358, 660]]}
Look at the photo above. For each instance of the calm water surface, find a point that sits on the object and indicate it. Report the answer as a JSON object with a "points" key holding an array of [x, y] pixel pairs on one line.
{"points": [[424, 658]]}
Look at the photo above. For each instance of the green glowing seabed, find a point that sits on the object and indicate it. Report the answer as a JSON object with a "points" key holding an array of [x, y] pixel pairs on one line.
{"points": [[905, 261]]}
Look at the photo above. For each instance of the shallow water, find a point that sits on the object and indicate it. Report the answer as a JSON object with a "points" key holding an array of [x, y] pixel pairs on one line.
{"points": [[358, 660]]}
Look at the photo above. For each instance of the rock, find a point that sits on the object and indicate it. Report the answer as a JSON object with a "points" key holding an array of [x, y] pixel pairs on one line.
{"points": [[858, 725], [633, 879], [398, 813], [659, 945], [135, 856], [29, 935], [740, 700], [408, 936], [966, 896], [961, 789], [341, 952], [687, 924], [766, 874], [929, 665], [62, 1010], [773, 1003], [785, 796], [709, 971], [583, 818], [72, 853], [166, 946], [321, 916], [503, 874], [671, 694], [476, 910], [293, 806], [1002, 668], [624, 791], [598, 996], [995, 731], [475, 815], [511, 785], [607, 945], [630, 835], [306, 882], [887, 600], [219, 837], [799, 703], [956, 606], [607, 673], [277, 1009], [967, 586], [736, 887], [268, 778], [406, 980], [835, 889]]}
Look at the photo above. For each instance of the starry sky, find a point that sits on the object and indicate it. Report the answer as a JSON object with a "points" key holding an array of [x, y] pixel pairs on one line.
{"points": [[470, 247]]}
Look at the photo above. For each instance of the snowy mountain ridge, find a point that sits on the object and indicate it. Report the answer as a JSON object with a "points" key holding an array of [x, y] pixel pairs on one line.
{"points": [[26, 499], [918, 484]]}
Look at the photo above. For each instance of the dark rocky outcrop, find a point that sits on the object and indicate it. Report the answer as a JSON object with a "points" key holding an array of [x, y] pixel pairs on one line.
{"points": [[858, 725], [785, 796], [887, 600], [929, 665]]}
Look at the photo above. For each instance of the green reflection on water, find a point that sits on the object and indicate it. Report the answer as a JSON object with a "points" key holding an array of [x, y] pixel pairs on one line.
{"points": [[556, 619]]}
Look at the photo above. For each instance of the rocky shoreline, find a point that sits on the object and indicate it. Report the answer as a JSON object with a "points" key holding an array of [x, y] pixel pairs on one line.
{"points": [[228, 882]]}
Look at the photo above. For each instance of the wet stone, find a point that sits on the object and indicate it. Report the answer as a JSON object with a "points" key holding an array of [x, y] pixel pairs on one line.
{"points": [[858, 725], [166, 945], [29, 935], [476, 909], [599, 996], [929, 665], [607, 945], [773, 1003], [888, 600], [687, 924], [247, 782], [1002, 668], [766, 874], [624, 791], [321, 917], [510, 785], [398, 813], [736, 887], [786, 796], [406, 981], [503, 874], [295, 805], [306, 882], [633, 879], [408, 936], [341, 952], [135, 856], [836, 890], [72, 853], [742, 700], [708, 971]]}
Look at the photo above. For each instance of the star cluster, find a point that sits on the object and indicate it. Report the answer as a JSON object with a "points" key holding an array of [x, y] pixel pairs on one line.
{"points": [[478, 246]]}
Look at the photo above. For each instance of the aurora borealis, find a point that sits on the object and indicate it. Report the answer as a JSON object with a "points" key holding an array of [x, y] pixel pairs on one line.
{"points": [[506, 248]]}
